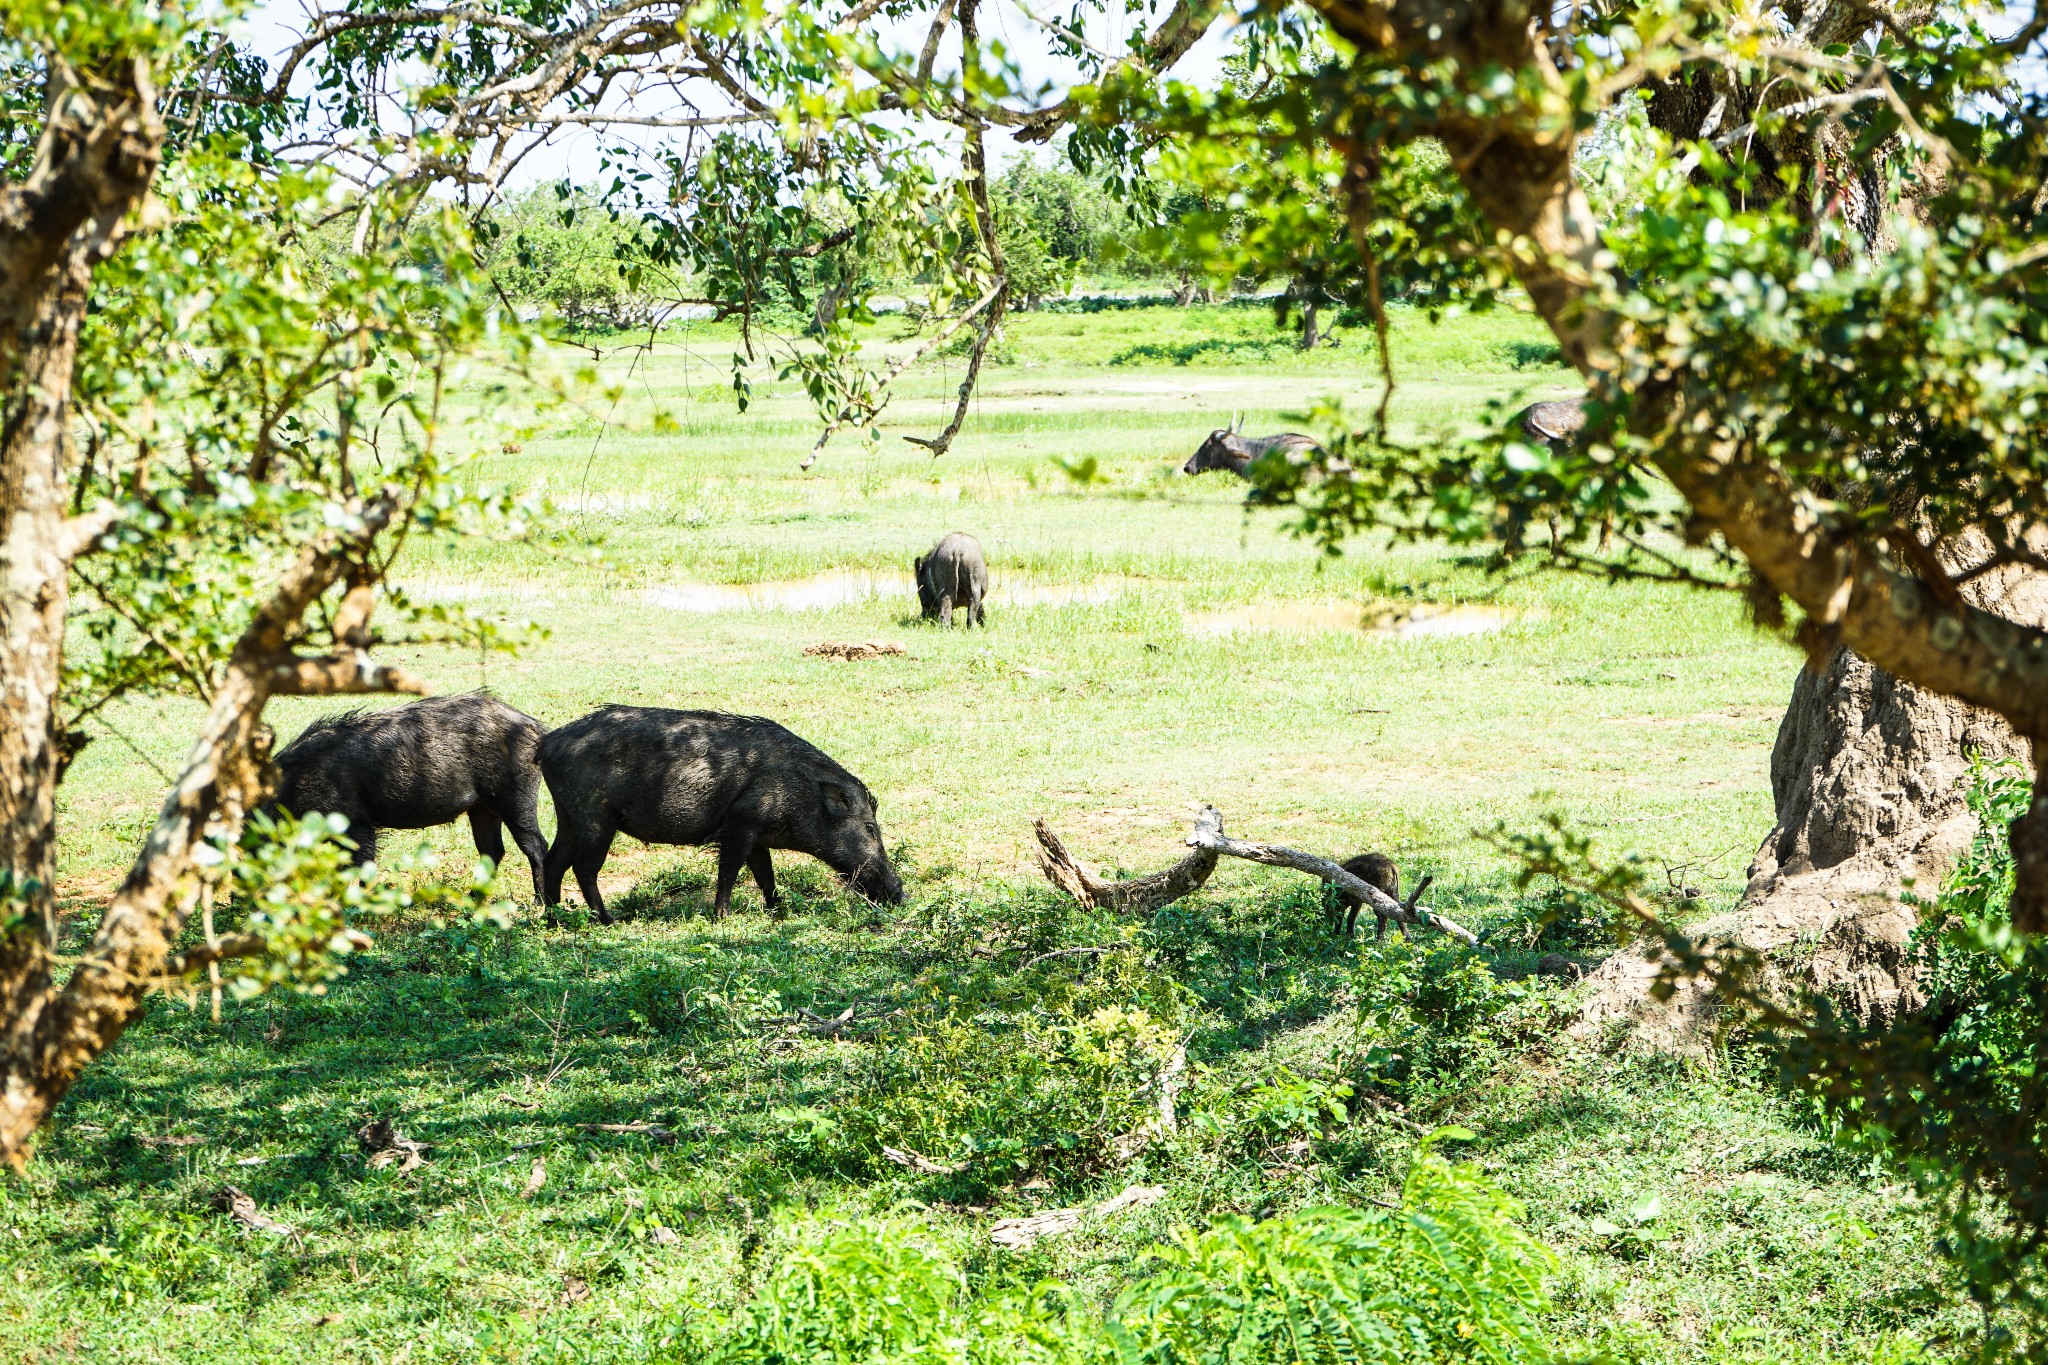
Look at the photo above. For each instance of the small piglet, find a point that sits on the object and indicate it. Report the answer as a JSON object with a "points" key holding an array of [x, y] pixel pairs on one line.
{"points": [[1375, 869], [704, 777], [418, 765], [953, 574]]}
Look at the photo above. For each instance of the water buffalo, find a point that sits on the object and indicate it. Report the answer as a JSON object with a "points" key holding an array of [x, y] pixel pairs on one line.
{"points": [[1226, 449], [953, 574], [1375, 869], [704, 777], [418, 765]]}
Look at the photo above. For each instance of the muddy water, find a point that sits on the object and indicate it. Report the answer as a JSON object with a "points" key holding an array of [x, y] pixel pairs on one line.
{"points": [[849, 587], [1422, 621]]}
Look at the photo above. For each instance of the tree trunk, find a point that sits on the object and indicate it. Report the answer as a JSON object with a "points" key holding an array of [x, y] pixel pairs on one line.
{"points": [[1311, 336], [1868, 775], [98, 156]]}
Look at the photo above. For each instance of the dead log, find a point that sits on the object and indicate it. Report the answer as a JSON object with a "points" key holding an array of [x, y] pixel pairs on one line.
{"points": [[1137, 896], [1141, 895], [1209, 834]]}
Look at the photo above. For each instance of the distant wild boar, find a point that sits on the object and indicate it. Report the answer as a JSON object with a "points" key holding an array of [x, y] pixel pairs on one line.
{"points": [[704, 777], [1375, 869], [418, 765], [1226, 449], [953, 574], [1558, 423]]}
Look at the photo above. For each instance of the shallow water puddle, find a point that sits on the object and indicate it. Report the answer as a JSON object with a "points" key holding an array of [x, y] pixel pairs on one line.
{"points": [[848, 587], [819, 592], [1428, 619], [1423, 620]]}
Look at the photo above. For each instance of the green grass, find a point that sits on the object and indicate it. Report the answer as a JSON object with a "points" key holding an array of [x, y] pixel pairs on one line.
{"points": [[1098, 699]]}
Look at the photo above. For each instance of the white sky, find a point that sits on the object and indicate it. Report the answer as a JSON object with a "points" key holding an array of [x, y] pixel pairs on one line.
{"points": [[270, 27]]}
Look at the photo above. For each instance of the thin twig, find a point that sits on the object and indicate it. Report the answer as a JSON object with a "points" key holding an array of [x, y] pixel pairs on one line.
{"points": [[1073, 952]]}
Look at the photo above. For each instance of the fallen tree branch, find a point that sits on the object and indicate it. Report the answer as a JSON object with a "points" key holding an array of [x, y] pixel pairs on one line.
{"points": [[240, 1207], [1142, 895], [1212, 837], [1137, 896], [826, 1026], [1073, 952], [919, 1162]]}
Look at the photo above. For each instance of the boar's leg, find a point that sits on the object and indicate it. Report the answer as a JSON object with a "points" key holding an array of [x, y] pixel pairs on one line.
{"points": [[520, 810], [364, 835], [735, 851], [526, 833], [553, 865], [583, 846], [946, 609], [488, 832], [763, 869]]}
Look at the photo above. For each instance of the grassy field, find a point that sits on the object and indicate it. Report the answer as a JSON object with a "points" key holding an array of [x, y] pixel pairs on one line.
{"points": [[1152, 646]]}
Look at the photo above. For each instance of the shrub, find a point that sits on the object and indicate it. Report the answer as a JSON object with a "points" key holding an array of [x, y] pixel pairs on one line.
{"points": [[1435, 1013], [700, 988], [1446, 1277], [869, 1294], [1016, 1092]]}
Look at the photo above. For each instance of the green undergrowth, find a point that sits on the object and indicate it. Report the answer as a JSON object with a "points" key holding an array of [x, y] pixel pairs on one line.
{"points": [[715, 1167], [669, 1138]]}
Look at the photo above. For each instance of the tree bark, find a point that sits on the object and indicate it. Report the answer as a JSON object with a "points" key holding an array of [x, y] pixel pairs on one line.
{"points": [[58, 1032], [101, 145], [1134, 896], [99, 153]]}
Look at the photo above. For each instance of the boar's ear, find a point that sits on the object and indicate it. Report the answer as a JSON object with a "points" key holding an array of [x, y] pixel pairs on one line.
{"points": [[838, 801], [917, 565]]}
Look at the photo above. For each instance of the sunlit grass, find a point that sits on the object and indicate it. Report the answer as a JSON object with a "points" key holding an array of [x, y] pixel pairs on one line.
{"points": [[1100, 698]]}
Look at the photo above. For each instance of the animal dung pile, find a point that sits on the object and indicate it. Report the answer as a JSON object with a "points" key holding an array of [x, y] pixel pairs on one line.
{"points": [[867, 649]]}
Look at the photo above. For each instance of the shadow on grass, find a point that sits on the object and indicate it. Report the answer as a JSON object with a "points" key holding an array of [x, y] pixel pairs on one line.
{"points": [[1212, 350]]}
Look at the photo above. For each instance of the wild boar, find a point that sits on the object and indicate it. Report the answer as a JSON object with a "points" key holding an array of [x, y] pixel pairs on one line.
{"points": [[953, 574], [703, 777], [1375, 869], [419, 765]]}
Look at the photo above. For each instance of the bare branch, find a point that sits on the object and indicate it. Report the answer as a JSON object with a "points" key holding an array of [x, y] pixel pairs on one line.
{"points": [[215, 951], [862, 411], [1137, 896], [1379, 902], [1142, 895], [82, 532]]}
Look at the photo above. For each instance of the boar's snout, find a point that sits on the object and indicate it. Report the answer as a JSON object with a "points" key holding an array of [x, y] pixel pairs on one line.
{"points": [[877, 881]]}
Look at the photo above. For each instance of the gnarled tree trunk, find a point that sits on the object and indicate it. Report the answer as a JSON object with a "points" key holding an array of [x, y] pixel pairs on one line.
{"points": [[1868, 775], [99, 153]]}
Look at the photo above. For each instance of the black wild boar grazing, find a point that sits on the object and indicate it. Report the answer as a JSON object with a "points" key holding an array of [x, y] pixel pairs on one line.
{"points": [[1226, 449], [953, 574], [422, 764], [704, 777], [1376, 869]]}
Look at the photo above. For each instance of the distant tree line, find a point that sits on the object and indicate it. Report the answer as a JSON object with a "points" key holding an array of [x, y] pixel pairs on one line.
{"points": [[557, 248]]}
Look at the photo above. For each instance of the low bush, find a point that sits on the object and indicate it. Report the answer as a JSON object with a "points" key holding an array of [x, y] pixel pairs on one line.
{"points": [[1447, 1276]]}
